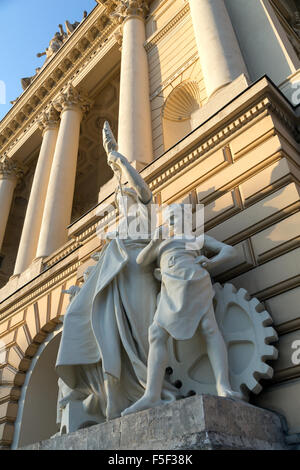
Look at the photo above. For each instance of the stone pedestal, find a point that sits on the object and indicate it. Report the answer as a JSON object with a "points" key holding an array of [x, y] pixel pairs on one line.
{"points": [[197, 423]]}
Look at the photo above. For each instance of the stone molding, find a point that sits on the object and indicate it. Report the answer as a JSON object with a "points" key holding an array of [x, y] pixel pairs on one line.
{"points": [[61, 253], [72, 98], [9, 170], [181, 164], [49, 119]]}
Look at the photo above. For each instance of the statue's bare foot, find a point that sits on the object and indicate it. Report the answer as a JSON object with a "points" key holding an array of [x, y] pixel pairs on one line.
{"points": [[142, 404], [229, 393]]}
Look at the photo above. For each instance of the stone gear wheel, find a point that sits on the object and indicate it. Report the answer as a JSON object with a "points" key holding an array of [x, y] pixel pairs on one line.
{"points": [[247, 332]]}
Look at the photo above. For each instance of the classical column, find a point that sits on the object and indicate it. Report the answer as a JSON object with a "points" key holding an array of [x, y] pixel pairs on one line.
{"points": [[49, 124], [9, 173], [58, 204], [219, 52], [135, 133]]}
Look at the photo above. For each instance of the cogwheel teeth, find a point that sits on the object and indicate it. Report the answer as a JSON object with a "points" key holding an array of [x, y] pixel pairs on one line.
{"points": [[245, 320]]}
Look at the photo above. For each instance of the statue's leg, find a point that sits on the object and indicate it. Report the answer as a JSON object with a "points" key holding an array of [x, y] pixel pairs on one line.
{"points": [[218, 356], [157, 362]]}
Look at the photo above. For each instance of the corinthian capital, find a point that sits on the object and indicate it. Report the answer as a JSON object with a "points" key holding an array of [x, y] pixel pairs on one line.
{"points": [[72, 98], [123, 9], [49, 119], [9, 169]]}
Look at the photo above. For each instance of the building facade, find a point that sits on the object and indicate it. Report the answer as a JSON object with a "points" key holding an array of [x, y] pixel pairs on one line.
{"points": [[204, 97]]}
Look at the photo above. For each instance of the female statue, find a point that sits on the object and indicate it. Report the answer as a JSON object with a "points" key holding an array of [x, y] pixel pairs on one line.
{"points": [[104, 346]]}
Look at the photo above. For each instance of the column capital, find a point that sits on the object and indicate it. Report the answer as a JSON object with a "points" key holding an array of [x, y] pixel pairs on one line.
{"points": [[49, 119], [120, 10], [9, 169], [70, 98]]}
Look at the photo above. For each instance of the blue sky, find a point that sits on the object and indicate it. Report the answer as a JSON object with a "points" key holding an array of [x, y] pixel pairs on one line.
{"points": [[26, 27]]}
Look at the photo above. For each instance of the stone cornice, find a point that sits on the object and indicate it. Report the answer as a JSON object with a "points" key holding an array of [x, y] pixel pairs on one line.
{"points": [[265, 104], [72, 57]]}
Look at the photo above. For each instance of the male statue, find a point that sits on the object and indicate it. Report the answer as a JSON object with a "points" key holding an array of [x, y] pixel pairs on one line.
{"points": [[185, 302]]}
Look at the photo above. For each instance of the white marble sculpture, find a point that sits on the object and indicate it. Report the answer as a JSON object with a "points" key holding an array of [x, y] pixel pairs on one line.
{"points": [[104, 346], [203, 338], [185, 302]]}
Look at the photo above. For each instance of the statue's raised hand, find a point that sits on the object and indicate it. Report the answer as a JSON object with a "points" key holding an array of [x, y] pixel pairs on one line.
{"points": [[109, 141], [114, 159]]}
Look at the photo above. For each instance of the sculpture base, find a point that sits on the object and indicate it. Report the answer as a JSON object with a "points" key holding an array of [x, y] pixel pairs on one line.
{"points": [[197, 423]]}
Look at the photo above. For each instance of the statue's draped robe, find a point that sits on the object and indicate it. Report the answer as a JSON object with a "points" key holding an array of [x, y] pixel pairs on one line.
{"points": [[104, 346]]}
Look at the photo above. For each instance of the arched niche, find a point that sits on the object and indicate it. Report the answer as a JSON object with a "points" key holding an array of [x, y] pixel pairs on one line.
{"points": [[178, 112], [36, 419]]}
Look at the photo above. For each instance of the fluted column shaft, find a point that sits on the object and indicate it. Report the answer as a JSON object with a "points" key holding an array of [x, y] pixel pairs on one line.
{"points": [[59, 198], [8, 180], [219, 52], [34, 213], [135, 133]]}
